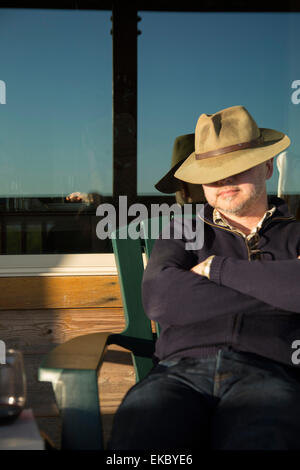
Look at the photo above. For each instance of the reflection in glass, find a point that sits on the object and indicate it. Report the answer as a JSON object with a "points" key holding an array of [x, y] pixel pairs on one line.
{"points": [[12, 386], [56, 127]]}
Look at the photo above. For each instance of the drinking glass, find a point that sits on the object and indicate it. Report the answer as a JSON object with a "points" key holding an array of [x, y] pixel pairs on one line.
{"points": [[12, 386]]}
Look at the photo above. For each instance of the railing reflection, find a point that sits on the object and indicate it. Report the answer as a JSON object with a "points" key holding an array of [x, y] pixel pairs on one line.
{"points": [[49, 225]]}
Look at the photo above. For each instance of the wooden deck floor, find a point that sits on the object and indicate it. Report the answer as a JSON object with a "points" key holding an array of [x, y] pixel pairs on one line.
{"points": [[116, 378]]}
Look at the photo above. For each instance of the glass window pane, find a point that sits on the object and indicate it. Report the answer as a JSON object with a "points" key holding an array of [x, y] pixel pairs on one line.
{"points": [[14, 238], [194, 63], [56, 124]]}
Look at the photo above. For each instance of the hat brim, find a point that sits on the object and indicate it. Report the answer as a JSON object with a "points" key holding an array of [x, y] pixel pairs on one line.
{"points": [[209, 170], [169, 184]]}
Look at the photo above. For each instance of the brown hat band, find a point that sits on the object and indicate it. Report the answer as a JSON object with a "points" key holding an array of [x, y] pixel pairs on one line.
{"points": [[230, 148]]}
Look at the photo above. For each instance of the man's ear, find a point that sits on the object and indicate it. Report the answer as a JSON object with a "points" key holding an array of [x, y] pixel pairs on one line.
{"points": [[269, 168]]}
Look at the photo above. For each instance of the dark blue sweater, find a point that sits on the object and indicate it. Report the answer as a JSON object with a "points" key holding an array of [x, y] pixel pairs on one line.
{"points": [[248, 305]]}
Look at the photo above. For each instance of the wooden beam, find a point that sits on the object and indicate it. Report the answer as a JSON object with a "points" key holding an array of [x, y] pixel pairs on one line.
{"points": [[124, 33], [42, 292]]}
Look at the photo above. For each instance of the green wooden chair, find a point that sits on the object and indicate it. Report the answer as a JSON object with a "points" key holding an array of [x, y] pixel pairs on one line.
{"points": [[73, 367]]}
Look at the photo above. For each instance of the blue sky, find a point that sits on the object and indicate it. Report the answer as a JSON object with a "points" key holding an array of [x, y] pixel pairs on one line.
{"points": [[57, 67], [56, 125]]}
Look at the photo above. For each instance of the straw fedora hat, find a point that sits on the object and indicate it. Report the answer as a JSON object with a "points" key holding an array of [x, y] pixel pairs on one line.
{"points": [[227, 143], [183, 146]]}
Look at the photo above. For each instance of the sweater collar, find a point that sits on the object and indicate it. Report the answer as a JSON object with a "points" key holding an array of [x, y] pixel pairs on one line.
{"points": [[219, 219]]}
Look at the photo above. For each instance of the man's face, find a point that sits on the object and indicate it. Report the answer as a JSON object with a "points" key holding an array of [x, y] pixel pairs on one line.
{"points": [[241, 193]]}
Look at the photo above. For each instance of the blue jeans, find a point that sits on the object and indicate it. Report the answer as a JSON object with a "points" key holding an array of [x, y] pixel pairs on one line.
{"points": [[236, 401]]}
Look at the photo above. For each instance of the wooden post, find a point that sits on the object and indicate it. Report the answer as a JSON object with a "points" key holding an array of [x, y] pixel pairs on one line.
{"points": [[124, 33]]}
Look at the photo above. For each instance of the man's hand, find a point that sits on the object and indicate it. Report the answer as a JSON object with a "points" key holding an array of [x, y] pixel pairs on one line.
{"points": [[198, 269], [203, 268]]}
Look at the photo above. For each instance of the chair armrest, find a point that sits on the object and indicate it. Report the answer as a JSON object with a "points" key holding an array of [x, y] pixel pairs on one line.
{"points": [[81, 353], [72, 368]]}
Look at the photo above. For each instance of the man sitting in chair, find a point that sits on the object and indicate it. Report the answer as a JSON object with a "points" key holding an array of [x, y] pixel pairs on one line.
{"points": [[228, 374]]}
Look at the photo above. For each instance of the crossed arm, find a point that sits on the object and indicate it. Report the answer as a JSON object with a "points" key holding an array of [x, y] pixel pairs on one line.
{"points": [[176, 292], [274, 282], [203, 268]]}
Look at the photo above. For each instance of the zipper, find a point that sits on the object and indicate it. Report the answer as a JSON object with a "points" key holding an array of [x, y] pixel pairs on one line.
{"points": [[267, 222], [248, 249], [228, 230], [220, 226], [240, 235]]}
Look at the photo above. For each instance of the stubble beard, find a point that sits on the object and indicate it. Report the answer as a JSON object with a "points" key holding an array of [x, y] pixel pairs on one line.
{"points": [[243, 207]]}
